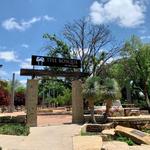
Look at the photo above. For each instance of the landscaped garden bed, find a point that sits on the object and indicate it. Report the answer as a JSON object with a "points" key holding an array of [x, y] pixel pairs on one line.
{"points": [[14, 125], [14, 129], [130, 136]]}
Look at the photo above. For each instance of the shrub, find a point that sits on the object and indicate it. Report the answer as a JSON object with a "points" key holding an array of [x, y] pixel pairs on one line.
{"points": [[14, 129], [146, 130], [122, 138], [19, 99], [4, 97]]}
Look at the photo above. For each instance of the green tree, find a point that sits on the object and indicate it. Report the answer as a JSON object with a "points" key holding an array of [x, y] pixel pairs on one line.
{"points": [[102, 90], [109, 91], [91, 92], [54, 91], [17, 85], [138, 65], [20, 89]]}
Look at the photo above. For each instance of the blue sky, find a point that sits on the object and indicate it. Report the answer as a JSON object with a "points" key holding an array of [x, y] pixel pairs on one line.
{"points": [[23, 22]]}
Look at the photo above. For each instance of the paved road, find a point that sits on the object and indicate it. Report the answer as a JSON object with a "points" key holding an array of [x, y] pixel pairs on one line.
{"points": [[42, 138]]}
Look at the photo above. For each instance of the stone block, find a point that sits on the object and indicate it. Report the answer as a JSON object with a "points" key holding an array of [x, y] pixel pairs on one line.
{"points": [[114, 145], [98, 127], [77, 102], [31, 102], [5, 119], [109, 132], [141, 147], [19, 119], [137, 136], [83, 128], [87, 143]]}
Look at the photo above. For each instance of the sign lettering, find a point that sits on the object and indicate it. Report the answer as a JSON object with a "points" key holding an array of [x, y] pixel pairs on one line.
{"points": [[55, 62], [139, 133]]}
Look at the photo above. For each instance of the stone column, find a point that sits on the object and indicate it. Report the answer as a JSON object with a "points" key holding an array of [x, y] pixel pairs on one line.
{"points": [[31, 102], [77, 102]]}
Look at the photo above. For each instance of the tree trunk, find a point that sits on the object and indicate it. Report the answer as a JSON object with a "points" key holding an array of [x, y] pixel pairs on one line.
{"points": [[146, 96], [108, 106], [128, 93], [91, 107]]}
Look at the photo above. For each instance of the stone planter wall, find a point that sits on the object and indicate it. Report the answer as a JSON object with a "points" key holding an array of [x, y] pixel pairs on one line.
{"points": [[13, 119]]}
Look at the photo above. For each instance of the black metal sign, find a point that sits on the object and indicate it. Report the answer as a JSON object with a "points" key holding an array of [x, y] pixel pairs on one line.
{"points": [[35, 72], [55, 62]]}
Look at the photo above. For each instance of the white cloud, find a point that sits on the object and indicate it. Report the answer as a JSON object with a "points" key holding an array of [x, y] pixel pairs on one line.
{"points": [[126, 13], [48, 18], [25, 45], [145, 37], [23, 82], [26, 64], [17, 72], [3, 73], [13, 24], [9, 56]]}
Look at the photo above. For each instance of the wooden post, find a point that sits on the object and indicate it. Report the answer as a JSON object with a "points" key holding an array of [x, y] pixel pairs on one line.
{"points": [[77, 102], [31, 102]]}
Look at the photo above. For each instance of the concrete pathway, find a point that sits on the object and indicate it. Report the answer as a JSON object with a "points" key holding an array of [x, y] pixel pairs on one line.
{"points": [[42, 138]]}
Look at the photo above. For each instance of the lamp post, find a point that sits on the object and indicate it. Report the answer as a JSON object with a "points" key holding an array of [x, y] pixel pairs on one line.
{"points": [[1, 67], [12, 94]]}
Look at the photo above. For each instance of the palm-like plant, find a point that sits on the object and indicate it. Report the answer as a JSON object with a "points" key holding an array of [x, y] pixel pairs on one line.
{"points": [[105, 90], [109, 91], [90, 92]]}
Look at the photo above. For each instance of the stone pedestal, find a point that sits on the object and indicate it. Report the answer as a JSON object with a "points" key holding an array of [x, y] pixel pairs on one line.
{"points": [[31, 102], [77, 102]]}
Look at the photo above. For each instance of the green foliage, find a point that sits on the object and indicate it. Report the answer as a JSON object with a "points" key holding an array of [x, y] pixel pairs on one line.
{"points": [[91, 87], [57, 47], [109, 89], [88, 133], [140, 103], [3, 84], [63, 99], [17, 84], [14, 129], [20, 89], [122, 138], [66, 97], [133, 65], [101, 89], [147, 130]]}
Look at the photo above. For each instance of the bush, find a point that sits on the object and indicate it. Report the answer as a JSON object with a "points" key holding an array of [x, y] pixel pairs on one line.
{"points": [[14, 129], [19, 99], [146, 130], [4, 97], [122, 138]]}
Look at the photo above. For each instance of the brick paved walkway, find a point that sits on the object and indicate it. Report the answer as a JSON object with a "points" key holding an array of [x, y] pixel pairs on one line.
{"points": [[46, 119]]}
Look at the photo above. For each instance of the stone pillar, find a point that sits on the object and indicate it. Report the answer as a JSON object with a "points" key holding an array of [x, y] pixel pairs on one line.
{"points": [[77, 102], [31, 102]]}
